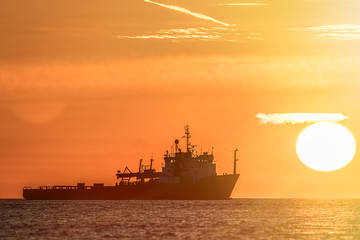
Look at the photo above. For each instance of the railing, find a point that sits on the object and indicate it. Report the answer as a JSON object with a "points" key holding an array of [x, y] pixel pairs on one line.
{"points": [[124, 183], [59, 187]]}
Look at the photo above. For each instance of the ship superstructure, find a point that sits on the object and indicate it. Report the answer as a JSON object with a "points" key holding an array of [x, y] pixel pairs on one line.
{"points": [[187, 166], [184, 175]]}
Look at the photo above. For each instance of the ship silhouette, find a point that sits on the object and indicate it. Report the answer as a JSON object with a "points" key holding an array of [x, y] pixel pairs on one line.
{"points": [[185, 175]]}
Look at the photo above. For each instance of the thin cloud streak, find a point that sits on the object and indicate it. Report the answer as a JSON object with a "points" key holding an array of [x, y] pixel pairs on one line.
{"points": [[338, 31], [188, 12], [299, 118], [242, 4], [202, 34], [177, 37]]}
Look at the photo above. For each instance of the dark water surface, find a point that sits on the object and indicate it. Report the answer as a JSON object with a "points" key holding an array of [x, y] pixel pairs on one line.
{"points": [[229, 219]]}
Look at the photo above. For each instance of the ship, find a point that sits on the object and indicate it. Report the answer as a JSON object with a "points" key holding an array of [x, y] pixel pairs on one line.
{"points": [[185, 175]]}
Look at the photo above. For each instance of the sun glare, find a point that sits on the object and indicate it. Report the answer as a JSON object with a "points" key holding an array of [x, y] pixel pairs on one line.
{"points": [[325, 146]]}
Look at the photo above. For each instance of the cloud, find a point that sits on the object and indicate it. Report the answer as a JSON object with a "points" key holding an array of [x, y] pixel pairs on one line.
{"points": [[299, 118], [337, 31], [201, 33], [188, 12], [62, 80], [242, 4]]}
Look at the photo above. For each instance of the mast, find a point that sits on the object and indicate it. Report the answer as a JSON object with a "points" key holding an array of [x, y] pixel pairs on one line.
{"points": [[140, 165], [151, 162], [187, 135], [235, 160]]}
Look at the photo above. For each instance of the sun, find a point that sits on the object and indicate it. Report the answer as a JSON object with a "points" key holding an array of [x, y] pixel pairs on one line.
{"points": [[325, 146]]}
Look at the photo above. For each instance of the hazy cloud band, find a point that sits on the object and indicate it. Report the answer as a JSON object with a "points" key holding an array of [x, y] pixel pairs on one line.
{"points": [[299, 118]]}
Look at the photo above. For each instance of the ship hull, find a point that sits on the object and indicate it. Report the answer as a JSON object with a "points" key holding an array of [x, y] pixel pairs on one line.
{"points": [[209, 188]]}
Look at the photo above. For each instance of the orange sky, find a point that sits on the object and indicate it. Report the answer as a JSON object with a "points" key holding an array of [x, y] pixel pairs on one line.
{"points": [[88, 87]]}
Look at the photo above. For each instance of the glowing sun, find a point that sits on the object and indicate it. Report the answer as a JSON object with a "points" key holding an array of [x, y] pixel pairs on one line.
{"points": [[325, 146]]}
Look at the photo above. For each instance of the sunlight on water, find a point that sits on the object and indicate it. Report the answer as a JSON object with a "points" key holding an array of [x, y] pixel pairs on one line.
{"points": [[232, 219]]}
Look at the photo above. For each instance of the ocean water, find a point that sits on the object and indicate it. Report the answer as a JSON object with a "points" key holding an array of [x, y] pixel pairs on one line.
{"points": [[228, 219]]}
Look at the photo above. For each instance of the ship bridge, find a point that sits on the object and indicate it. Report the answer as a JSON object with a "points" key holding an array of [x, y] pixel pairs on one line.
{"points": [[187, 166]]}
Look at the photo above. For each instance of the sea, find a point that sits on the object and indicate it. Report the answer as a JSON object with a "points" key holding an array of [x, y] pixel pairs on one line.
{"points": [[225, 219]]}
